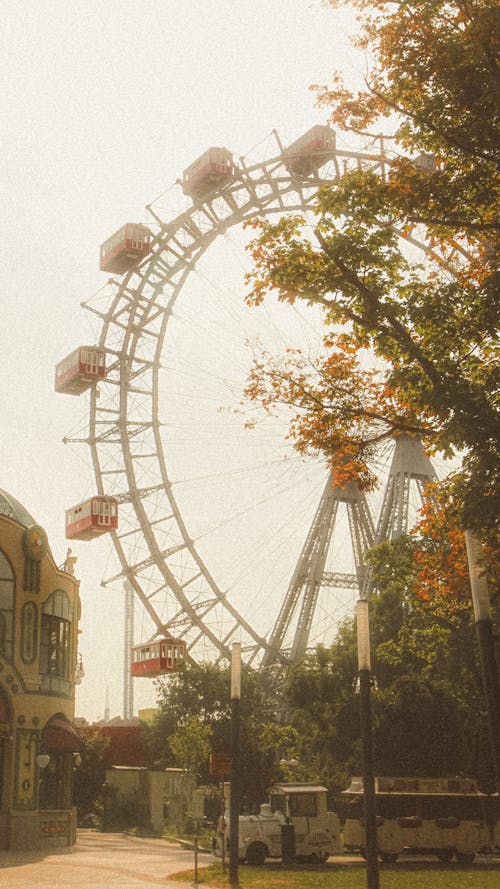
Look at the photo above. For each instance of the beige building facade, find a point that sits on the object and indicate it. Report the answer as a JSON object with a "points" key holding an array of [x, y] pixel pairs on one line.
{"points": [[159, 798], [39, 744]]}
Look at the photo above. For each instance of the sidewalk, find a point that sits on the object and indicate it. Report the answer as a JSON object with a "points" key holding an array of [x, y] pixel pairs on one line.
{"points": [[100, 861]]}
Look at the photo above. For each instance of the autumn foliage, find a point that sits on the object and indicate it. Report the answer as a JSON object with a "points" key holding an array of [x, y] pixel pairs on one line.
{"points": [[338, 407], [430, 322]]}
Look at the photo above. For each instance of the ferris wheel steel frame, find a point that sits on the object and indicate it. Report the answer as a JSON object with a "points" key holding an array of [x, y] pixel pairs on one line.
{"points": [[158, 557]]}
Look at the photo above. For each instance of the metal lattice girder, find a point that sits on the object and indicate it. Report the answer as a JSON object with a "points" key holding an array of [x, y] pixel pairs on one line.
{"points": [[340, 581], [309, 576], [409, 466]]}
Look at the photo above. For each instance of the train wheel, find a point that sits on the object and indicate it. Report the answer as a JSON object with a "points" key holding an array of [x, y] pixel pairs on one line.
{"points": [[388, 857], [256, 854], [445, 854], [465, 857]]}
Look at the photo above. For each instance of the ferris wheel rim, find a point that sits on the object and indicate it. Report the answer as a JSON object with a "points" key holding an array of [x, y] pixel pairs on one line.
{"points": [[137, 309]]}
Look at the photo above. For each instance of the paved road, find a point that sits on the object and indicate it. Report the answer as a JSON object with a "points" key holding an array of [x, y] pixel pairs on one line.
{"points": [[99, 861]]}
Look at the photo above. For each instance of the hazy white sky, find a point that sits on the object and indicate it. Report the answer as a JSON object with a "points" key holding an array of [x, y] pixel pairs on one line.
{"points": [[103, 105]]}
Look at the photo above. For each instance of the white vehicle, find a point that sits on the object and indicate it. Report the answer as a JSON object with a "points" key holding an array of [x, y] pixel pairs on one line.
{"points": [[444, 816], [317, 831]]}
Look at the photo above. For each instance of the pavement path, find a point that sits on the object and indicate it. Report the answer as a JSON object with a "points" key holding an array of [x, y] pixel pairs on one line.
{"points": [[100, 861], [112, 860]]}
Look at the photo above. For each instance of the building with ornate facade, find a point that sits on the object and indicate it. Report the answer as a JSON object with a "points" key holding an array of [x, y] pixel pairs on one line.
{"points": [[39, 743]]}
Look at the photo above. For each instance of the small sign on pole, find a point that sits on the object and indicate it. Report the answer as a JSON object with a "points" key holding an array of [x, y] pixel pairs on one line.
{"points": [[196, 809], [220, 764], [196, 812]]}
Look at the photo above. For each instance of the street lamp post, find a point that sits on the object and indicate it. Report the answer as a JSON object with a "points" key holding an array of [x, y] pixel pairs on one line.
{"points": [[235, 765], [486, 644], [364, 668]]}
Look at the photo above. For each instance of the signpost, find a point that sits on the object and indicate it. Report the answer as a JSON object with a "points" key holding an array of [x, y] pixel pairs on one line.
{"points": [[196, 812], [220, 764]]}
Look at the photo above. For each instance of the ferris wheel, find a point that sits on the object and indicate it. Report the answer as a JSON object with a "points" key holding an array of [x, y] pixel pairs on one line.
{"points": [[160, 557]]}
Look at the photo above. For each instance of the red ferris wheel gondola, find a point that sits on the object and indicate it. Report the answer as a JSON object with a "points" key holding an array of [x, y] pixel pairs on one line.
{"points": [[212, 170], [308, 153], [123, 250], [82, 367], [93, 517], [157, 658]]}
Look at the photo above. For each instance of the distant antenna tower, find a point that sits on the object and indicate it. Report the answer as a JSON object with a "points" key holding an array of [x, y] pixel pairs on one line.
{"points": [[106, 706], [128, 687]]}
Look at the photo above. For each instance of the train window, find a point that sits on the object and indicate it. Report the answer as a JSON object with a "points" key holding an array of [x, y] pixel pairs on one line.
{"points": [[354, 807], [278, 803], [392, 806], [471, 807], [303, 805], [431, 808]]}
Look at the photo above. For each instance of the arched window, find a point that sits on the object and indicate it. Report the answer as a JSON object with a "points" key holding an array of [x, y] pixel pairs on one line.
{"points": [[55, 645], [6, 606]]}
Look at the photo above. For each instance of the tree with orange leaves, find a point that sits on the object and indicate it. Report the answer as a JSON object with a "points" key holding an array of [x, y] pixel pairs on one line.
{"points": [[434, 327]]}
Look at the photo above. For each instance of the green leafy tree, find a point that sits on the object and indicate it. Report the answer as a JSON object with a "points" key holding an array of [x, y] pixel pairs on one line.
{"points": [[428, 710], [89, 777], [197, 689], [190, 744], [195, 709]]}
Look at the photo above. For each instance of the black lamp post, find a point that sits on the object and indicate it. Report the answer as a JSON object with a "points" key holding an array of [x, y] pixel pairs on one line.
{"points": [[364, 668], [486, 644], [235, 764]]}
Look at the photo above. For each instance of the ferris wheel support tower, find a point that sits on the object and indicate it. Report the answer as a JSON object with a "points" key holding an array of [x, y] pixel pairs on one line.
{"points": [[310, 575], [409, 467]]}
